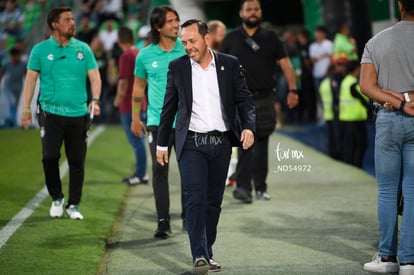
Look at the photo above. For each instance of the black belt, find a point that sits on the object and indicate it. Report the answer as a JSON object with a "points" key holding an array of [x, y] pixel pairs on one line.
{"points": [[210, 133]]}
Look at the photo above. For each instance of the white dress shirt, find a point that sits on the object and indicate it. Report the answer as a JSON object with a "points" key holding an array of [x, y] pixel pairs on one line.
{"points": [[207, 114]]}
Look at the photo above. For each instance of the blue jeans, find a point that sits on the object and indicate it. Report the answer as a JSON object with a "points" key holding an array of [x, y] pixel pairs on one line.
{"points": [[394, 165], [137, 143], [203, 168]]}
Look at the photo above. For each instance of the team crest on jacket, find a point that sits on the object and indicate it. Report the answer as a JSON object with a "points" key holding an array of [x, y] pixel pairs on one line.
{"points": [[80, 55]]}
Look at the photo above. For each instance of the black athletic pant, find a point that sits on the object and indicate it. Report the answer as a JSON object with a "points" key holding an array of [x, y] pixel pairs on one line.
{"points": [[253, 165], [355, 142], [160, 176], [72, 131]]}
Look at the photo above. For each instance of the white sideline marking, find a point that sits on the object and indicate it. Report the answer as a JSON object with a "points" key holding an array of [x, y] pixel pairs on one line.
{"points": [[11, 227]]}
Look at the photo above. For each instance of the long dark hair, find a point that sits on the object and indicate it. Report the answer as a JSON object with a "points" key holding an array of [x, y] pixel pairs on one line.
{"points": [[158, 19]]}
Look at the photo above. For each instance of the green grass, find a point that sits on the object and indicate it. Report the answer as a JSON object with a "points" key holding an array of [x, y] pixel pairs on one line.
{"points": [[318, 222], [60, 246], [321, 221], [20, 166]]}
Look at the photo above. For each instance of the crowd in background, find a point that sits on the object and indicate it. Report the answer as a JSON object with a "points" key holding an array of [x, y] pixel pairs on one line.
{"points": [[327, 74], [97, 23], [313, 56]]}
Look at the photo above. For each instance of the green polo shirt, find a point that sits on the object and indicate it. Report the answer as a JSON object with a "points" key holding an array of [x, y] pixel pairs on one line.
{"points": [[152, 64], [63, 74]]}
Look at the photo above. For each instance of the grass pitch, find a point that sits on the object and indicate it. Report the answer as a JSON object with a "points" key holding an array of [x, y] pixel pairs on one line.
{"points": [[321, 218]]}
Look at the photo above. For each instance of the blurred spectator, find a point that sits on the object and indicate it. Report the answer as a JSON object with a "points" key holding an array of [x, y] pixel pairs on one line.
{"points": [[320, 53], [12, 19], [20, 44], [329, 92], [86, 30], [343, 42], [12, 73], [307, 104], [3, 46], [133, 8], [32, 10], [144, 38], [132, 16], [111, 10], [123, 101], [108, 35], [107, 72], [91, 9], [353, 106], [291, 44], [217, 30]]}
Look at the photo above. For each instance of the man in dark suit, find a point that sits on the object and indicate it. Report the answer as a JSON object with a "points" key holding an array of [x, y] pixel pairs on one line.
{"points": [[215, 112]]}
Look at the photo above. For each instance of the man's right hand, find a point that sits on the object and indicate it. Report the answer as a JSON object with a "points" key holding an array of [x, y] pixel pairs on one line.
{"points": [[137, 128], [409, 108], [26, 118]]}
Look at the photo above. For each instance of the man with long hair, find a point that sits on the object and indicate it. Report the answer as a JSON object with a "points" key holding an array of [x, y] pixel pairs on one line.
{"points": [[151, 68]]}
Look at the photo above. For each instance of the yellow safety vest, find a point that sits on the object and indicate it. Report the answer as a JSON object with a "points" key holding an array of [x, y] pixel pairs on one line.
{"points": [[351, 108], [325, 91]]}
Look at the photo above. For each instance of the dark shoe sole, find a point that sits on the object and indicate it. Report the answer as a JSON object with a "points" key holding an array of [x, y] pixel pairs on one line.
{"points": [[242, 196], [162, 234], [214, 269]]}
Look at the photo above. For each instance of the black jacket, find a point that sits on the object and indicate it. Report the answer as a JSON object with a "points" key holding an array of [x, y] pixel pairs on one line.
{"points": [[238, 106]]}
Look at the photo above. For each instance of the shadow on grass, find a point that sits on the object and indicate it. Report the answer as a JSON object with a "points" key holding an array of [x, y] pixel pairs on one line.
{"points": [[158, 252], [335, 235]]}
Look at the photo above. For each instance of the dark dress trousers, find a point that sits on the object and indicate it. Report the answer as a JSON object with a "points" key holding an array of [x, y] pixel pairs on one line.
{"points": [[203, 166]]}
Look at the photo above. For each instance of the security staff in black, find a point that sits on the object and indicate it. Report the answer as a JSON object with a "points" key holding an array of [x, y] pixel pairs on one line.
{"points": [[259, 51]]}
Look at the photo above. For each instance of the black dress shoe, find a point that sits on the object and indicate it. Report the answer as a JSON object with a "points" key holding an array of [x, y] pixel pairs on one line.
{"points": [[242, 195], [213, 266], [163, 230]]}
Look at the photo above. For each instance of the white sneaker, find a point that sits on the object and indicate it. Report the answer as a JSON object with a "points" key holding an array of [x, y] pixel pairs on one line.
{"points": [[378, 266], [407, 269], [73, 212], [134, 180], [56, 210], [262, 196]]}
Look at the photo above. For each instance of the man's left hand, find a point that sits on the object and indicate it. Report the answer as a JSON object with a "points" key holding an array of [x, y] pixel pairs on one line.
{"points": [[96, 109], [247, 138]]}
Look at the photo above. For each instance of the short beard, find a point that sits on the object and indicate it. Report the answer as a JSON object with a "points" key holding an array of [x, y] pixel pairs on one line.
{"points": [[252, 24]]}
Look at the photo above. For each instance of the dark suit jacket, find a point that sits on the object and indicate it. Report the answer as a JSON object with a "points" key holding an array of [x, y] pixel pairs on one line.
{"points": [[237, 103]]}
